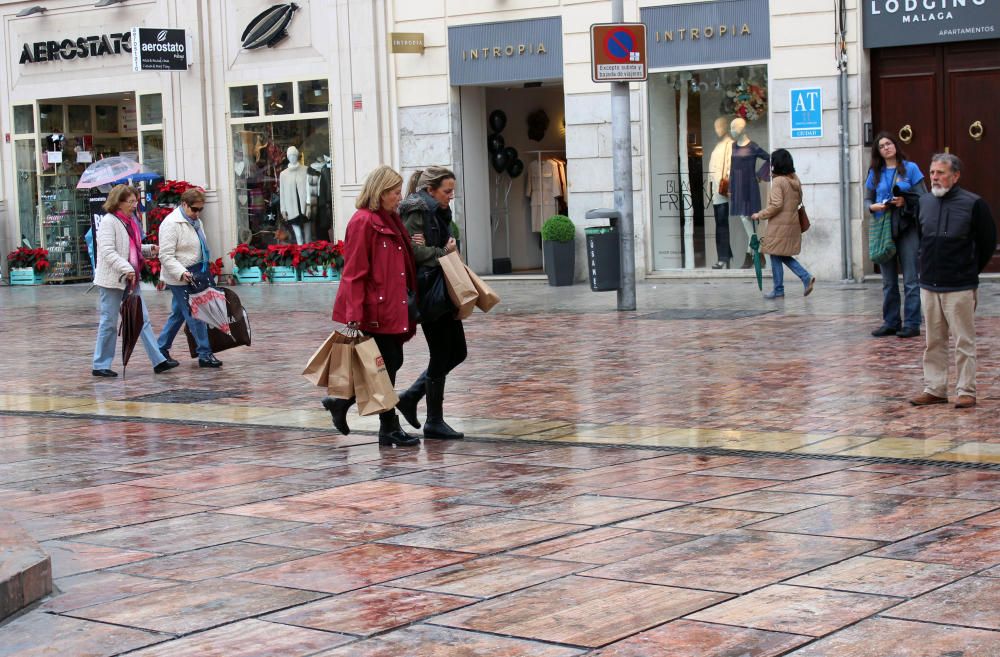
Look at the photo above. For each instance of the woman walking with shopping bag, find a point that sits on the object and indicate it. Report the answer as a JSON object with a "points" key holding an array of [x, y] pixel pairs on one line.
{"points": [[784, 231], [426, 212], [375, 288]]}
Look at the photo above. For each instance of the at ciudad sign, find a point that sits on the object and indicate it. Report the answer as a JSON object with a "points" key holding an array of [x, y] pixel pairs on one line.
{"points": [[158, 49]]}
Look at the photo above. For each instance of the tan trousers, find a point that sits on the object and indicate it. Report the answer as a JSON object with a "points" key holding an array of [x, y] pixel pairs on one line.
{"points": [[954, 312]]}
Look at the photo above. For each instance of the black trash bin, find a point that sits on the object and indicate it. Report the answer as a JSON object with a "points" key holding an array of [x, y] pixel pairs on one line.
{"points": [[603, 258]]}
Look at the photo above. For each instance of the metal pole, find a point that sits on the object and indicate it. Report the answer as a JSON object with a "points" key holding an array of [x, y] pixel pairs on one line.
{"points": [[845, 144], [621, 132]]}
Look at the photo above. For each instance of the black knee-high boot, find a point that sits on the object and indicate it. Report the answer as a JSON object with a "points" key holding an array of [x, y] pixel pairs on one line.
{"points": [[390, 433], [338, 409], [408, 401], [435, 426]]}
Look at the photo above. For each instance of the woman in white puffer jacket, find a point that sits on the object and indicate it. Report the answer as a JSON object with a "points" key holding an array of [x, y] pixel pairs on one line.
{"points": [[119, 257]]}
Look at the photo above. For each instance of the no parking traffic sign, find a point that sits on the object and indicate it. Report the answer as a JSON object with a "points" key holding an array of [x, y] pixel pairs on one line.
{"points": [[618, 52]]}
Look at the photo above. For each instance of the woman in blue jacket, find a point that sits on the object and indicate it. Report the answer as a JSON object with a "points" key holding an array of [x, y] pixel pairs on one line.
{"points": [[890, 169]]}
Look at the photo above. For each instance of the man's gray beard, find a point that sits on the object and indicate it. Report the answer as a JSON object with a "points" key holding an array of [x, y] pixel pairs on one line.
{"points": [[939, 191]]}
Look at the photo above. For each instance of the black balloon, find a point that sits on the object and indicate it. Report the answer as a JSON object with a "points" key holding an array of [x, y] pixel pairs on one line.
{"points": [[495, 143], [498, 120], [515, 168], [511, 153], [499, 161]]}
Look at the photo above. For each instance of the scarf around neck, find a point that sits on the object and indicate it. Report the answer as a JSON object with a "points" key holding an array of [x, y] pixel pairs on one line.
{"points": [[134, 242]]}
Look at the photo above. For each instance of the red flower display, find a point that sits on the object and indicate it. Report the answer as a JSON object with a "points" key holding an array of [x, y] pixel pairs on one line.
{"points": [[319, 256], [23, 257]]}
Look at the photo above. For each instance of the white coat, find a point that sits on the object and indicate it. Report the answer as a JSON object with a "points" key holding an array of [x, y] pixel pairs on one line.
{"points": [[179, 247], [111, 255]]}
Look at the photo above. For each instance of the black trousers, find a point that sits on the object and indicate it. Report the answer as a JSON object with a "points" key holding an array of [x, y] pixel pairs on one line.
{"points": [[392, 353], [446, 344], [722, 246]]}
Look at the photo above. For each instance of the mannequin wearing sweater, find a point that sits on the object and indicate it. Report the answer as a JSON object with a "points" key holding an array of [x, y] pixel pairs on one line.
{"points": [[744, 194], [293, 187], [718, 168]]}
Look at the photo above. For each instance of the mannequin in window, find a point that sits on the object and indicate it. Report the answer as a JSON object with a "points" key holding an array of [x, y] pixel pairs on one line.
{"points": [[324, 204], [744, 193], [314, 172], [718, 169], [293, 190]]}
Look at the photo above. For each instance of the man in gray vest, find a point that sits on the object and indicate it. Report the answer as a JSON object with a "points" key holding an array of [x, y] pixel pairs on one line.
{"points": [[957, 240]]}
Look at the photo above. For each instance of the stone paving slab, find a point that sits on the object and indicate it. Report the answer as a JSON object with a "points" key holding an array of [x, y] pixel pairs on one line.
{"points": [[193, 529]]}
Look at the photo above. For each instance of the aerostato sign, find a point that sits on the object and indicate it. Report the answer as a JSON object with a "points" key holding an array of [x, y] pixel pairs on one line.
{"points": [[158, 49]]}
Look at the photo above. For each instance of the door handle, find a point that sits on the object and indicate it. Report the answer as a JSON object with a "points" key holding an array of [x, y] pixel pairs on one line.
{"points": [[976, 130], [906, 134]]}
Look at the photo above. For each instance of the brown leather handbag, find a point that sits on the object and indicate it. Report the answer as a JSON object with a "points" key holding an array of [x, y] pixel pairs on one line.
{"points": [[803, 219]]}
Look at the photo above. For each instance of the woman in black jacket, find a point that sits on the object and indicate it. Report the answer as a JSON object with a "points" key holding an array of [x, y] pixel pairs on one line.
{"points": [[426, 212]]}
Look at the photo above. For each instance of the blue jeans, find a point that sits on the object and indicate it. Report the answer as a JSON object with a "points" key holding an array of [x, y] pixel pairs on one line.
{"points": [[779, 272], [108, 304], [906, 259], [180, 313]]}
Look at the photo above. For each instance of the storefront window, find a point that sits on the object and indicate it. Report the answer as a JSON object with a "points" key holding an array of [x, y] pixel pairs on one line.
{"points": [[107, 118], [24, 119], [706, 126], [243, 102], [282, 195], [314, 96], [278, 99], [50, 118], [26, 164], [79, 118], [152, 151], [152, 109]]}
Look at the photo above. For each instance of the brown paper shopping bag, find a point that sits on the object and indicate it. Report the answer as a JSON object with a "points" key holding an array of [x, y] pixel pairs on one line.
{"points": [[372, 388], [340, 370], [460, 288], [319, 363], [487, 297]]}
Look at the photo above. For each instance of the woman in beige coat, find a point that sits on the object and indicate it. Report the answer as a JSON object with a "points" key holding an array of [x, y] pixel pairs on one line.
{"points": [[784, 236]]}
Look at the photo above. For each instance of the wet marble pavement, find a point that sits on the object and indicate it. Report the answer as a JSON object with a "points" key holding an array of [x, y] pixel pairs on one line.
{"points": [[614, 500], [180, 538]]}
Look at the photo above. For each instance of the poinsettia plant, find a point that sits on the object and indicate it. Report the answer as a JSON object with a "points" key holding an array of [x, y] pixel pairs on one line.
{"points": [[168, 193], [215, 268], [319, 256], [25, 258], [283, 255], [150, 271], [246, 256], [154, 217]]}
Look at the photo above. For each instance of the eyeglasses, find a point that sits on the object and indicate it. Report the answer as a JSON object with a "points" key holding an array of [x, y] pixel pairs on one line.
{"points": [[196, 208]]}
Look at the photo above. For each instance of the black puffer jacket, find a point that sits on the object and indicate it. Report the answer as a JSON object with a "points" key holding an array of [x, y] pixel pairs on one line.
{"points": [[422, 214], [957, 240]]}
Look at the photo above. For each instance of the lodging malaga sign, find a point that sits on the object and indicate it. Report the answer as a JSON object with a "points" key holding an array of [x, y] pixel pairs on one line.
{"points": [[910, 22]]}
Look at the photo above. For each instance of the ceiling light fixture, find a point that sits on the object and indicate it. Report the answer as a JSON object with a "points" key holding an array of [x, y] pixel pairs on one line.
{"points": [[107, 3], [28, 11]]}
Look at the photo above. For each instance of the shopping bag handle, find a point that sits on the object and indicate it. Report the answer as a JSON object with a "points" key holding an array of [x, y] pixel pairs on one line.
{"points": [[350, 332]]}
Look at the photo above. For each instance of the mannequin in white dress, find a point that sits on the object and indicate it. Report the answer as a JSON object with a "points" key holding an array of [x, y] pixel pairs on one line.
{"points": [[293, 187]]}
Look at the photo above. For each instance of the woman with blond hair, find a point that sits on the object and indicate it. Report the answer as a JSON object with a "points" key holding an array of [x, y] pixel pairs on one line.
{"points": [[119, 256], [376, 283], [426, 212]]}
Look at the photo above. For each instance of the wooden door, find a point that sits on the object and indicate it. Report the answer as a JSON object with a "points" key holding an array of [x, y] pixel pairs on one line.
{"points": [[934, 95]]}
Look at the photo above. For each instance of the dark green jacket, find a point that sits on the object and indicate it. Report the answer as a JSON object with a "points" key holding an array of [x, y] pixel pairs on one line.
{"points": [[422, 214]]}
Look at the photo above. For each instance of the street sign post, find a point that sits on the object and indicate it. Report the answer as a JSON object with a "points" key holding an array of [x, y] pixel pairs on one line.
{"points": [[618, 52]]}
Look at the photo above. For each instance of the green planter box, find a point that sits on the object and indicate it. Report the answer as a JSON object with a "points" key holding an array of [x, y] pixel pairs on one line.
{"points": [[283, 275], [248, 275], [26, 276], [317, 275]]}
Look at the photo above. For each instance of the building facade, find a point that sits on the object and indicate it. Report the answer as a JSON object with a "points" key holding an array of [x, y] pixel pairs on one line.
{"points": [[501, 91]]}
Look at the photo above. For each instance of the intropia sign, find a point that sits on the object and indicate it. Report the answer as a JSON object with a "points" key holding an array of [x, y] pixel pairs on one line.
{"points": [[910, 22], [509, 51]]}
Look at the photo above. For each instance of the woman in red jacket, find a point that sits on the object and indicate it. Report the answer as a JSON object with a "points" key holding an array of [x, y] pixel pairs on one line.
{"points": [[375, 284]]}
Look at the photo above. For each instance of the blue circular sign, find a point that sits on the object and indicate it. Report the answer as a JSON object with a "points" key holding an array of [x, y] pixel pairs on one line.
{"points": [[620, 44]]}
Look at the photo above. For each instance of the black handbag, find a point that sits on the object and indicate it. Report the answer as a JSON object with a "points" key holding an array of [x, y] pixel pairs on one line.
{"points": [[434, 300]]}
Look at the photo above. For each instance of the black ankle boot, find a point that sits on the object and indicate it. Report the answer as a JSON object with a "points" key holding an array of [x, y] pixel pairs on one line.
{"points": [[407, 405], [747, 262], [435, 426], [390, 433], [338, 409]]}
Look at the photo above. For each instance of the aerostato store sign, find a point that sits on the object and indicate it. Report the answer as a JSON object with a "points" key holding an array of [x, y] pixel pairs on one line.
{"points": [[911, 22], [156, 49], [76, 48]]}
